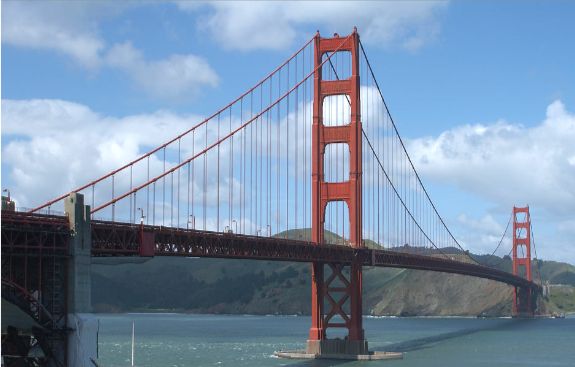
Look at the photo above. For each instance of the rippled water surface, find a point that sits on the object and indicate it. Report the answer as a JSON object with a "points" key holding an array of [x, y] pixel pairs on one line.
{"points": [[179, 340]]}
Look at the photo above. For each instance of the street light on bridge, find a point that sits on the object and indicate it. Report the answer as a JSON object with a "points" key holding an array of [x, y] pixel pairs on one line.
{"points": [[192, 220], [142, 216]]}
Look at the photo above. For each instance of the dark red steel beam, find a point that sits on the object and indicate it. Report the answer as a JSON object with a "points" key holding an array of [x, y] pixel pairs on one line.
{"points": [[116, 239], [113, 239], [34, 234]]}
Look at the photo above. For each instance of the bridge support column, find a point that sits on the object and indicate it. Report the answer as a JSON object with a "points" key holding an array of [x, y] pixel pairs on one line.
{"points": [[340, 288], [524, 299], [337, 288], [524, 302], [82, 340]]}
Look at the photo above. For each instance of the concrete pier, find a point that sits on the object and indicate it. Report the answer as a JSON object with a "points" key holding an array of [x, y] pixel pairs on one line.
{"points": [[343, 349], [337, 346], [371, 356], [82, 340], [79, 265]]}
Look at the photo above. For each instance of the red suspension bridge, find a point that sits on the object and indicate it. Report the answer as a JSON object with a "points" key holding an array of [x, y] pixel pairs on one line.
{"points": [[311, 146]]}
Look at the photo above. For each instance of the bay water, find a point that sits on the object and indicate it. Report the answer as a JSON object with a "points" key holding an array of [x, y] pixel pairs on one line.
{"points": [[182, 340]]}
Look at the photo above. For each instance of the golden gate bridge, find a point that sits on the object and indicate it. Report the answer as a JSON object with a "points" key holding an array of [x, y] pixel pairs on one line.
{"points": [[310, 147]]}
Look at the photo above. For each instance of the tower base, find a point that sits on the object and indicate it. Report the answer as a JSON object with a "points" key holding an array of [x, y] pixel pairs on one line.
{"points": [[355, 350], [337, 346]]}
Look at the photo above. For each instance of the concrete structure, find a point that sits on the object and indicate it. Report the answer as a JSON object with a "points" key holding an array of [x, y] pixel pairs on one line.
{"points": [[82, 340], [371, 356]]}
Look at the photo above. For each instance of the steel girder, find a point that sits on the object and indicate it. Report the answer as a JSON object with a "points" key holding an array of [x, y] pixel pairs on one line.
{"points": [[123, 239], [112, 239], [34, 234], [35, 255]]}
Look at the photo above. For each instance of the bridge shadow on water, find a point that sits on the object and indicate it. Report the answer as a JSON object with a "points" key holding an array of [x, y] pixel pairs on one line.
{"points": [[430, 341], [319, 363], [425, 342], [405, 346]]}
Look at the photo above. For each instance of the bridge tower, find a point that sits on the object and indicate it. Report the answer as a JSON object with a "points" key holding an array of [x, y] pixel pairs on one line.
{"points": [[341, 287], [82, 336], [523, 299]]}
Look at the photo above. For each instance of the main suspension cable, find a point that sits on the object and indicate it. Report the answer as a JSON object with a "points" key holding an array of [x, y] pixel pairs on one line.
{"points": [[409, 159]]}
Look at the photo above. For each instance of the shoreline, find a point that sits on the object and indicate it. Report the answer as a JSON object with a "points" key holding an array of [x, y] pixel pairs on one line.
{"points": [[296, 315]]}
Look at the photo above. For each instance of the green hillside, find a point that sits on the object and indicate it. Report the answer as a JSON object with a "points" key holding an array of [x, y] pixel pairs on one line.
{"points": [[265, 287]]}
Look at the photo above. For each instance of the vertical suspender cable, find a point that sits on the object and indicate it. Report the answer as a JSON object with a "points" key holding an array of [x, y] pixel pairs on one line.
{"points": [[296, 197], [114, 204], [243, 172], [261, 144], [172, 199], [269, 160], [147, 193], [178, 196], [251, 160], [205, 179], [231, 176], [287, 147], [278, 157], [218, 179]]}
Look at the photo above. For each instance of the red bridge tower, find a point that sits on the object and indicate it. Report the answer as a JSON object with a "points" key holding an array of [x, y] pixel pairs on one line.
{"points": [[523, 299], [341, 288]]}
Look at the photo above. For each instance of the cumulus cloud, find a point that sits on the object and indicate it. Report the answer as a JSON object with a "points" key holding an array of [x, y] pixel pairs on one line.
{"points": [[481, 235], [486, 224], [52, 146], [41, 25], [507, 163], [72, 29], [246, 26], [171, 77]]}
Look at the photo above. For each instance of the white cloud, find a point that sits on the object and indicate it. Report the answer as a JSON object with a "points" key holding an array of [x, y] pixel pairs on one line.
{"points": [[482, 235], [72, 29], [66, 27], [245, 25], [53, 146], [171, 77], [485, 224], [507, 164]]}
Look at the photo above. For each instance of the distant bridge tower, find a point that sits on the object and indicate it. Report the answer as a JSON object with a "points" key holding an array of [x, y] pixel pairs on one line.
{"points": [[523, 299], [341, 287]]}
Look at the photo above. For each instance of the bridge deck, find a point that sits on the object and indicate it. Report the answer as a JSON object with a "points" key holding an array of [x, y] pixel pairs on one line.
{"points": [[124, 239]]}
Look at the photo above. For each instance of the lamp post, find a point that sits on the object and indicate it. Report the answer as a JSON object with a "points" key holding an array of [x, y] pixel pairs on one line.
{"points": [[142, 216], [192, 220]]}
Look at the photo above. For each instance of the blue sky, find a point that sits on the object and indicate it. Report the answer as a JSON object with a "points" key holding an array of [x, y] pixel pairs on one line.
{"points": [[490, 80]]}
